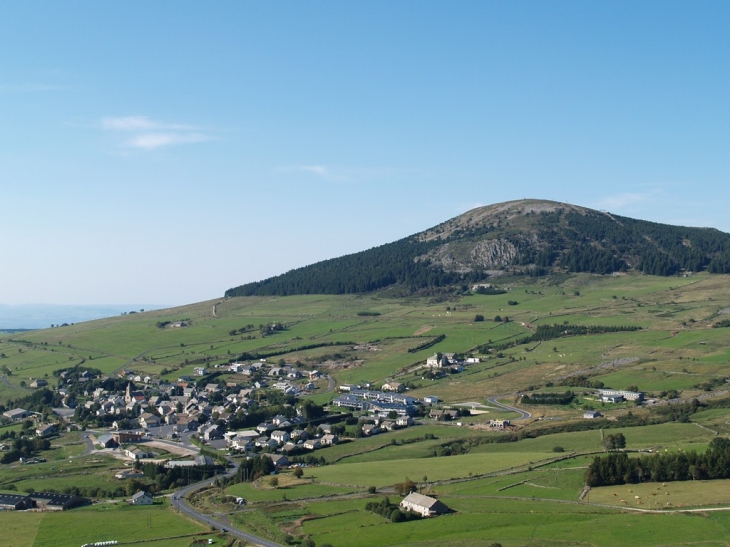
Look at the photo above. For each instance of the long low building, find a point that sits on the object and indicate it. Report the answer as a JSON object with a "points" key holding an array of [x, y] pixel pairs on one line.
{"points": [[628, 395], [51, 501], [16, 502], [199, 461], [17, 414]]}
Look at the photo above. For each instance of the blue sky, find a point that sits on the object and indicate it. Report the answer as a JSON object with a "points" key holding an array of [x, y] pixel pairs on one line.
{"points": [[164, 152]]}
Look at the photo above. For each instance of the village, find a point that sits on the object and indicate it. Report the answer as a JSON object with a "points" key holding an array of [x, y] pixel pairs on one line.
{"points": [[243, 410]]}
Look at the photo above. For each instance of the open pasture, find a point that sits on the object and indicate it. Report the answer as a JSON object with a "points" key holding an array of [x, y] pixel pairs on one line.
{"points": [[119, 522], [58, 473], [676, 314], [287, 489], [452, 467], [514, 523], [669, 495]]}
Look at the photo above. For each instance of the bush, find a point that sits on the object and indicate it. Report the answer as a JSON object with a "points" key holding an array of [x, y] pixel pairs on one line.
{"points": [[478, 318], [558, 449]]}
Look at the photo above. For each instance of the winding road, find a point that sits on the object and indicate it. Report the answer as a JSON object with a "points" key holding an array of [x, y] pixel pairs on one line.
{"points": [[179, 501], [5, 381], [524, 415]]}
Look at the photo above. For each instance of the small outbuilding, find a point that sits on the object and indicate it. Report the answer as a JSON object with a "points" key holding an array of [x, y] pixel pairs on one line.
{"points": [[141, 498]]}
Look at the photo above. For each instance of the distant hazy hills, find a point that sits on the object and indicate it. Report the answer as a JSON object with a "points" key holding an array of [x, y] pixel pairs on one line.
{"points": [[39, 316], [529, 237]]}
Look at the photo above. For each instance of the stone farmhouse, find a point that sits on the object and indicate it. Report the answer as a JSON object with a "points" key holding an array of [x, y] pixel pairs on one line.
{"points": [[423, 505]]}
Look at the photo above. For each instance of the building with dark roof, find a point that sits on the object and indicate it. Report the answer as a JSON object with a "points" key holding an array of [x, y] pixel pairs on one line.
{"points": [[51, 501], [16, 502]]}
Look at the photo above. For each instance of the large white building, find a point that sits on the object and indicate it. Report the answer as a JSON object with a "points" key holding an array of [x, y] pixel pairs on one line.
{"points": [[628, 395]]}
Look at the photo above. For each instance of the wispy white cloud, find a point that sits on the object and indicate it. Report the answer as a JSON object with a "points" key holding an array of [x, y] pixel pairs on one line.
{"points": [[150, 141], [322, 171], [149, 134]]}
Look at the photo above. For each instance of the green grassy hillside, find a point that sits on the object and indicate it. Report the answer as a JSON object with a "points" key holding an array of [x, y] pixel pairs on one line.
{"points": [[676, 348], [521, 493]]}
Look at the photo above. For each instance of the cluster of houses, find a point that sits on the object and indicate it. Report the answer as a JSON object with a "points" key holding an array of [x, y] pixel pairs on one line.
{"points": [[277, 441], [449, 362], [286, 378]]}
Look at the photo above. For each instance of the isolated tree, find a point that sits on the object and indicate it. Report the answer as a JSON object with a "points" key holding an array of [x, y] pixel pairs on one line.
{"points": [[405, 488]]}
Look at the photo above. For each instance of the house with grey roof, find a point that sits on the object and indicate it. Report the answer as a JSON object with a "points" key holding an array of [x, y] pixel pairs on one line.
{"points": [[141, 498], [423, 505]]}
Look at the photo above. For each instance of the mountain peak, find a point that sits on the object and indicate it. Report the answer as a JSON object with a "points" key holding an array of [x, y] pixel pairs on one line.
{"points": [[527, 236]]}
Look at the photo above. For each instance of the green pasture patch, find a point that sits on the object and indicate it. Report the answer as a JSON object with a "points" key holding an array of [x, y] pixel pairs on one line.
{"points": [[350, 520], [312, 490], [120, 522], [669, 495], [542, 483], [669, 435], [58, 473], [379, 442], [651, 380], [377, 474], [424, 449], [19, 529], [517, 523]]}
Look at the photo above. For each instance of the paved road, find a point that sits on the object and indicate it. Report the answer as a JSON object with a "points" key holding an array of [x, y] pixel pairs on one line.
{"points": [[5, 381], [89, 447], [524, 415], [330, 385], [179, 501]]}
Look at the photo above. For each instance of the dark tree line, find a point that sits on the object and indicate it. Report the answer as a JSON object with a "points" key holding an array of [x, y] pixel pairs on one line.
{"points": [[24, 448], [391, 511], [427, 344], [549, 398], [550, 332], [618, 468]]}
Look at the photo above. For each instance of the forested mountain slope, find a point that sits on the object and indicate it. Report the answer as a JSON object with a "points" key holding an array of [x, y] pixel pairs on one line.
{"points": [[530, 237]]}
